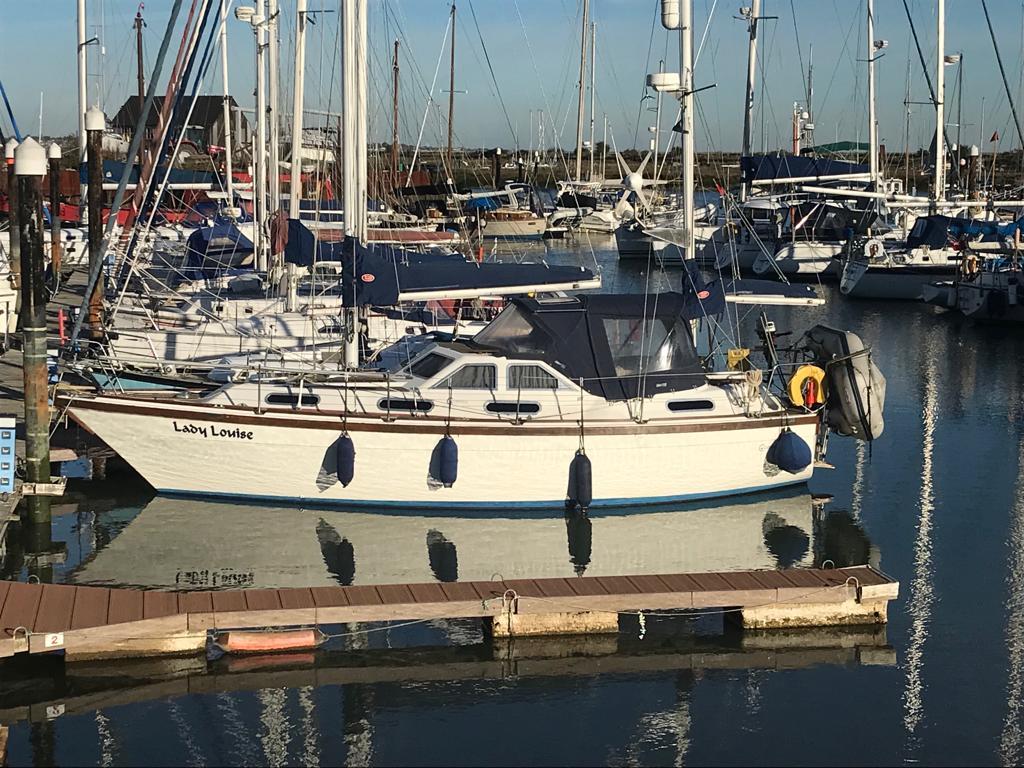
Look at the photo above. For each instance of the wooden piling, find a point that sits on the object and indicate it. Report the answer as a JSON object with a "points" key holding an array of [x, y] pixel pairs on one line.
{"points": [[30, 166], [95, 122], [53, 154]]}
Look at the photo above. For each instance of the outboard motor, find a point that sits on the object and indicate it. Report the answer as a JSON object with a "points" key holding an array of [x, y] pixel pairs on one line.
{"points": [[855, 388]]}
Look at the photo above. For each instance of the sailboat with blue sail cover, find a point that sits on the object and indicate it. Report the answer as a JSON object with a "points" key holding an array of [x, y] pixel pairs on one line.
{"points": [[561, 401]]}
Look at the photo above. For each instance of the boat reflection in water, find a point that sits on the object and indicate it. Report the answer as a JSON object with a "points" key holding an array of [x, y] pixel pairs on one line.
{"points": [[366, 692], [188, 544]]}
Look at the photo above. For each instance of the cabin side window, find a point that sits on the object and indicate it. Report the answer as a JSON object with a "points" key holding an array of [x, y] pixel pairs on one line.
{"points": [[530, 377], [515, 409], [691, 405], [291, 399], [474, 376], [429, 365], [405, 404]]}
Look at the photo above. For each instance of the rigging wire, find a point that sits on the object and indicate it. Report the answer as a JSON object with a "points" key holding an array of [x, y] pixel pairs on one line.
{"points": [[490, 69], [799, 48]]}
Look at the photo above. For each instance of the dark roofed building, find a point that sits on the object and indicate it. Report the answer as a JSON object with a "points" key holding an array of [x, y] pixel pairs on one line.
{"points": [[205, 126]]}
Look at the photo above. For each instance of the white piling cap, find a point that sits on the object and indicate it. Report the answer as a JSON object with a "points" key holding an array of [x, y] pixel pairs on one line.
{"points": [[30, 158], [95, 120], [9, 147], [53, 151]]}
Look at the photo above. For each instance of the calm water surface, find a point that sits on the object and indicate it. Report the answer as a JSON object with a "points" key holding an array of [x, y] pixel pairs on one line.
{"points": [[937, 502]]}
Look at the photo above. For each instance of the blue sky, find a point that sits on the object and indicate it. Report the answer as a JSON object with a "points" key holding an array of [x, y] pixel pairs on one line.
{"points": [[533, 46]]}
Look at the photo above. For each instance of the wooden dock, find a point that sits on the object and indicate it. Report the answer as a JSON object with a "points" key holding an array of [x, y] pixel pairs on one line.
{"points": [[95, 622]]}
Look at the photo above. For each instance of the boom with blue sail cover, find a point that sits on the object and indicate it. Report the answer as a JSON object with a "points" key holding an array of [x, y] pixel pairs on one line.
{"points": [[385, 276]]}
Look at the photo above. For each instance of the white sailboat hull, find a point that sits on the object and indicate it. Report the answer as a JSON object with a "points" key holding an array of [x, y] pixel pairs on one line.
{"points": [[517, 229], [801, 258], [905, 283], [209, 449]]}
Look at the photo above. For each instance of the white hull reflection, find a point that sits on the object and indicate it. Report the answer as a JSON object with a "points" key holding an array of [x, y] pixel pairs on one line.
{"points": [[194, 544]]}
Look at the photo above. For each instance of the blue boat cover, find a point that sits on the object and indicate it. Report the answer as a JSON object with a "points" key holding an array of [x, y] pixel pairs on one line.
{"points": [[780, 168], [937, 231], [377, 275], [112, 170], [700, 299], [747, 287], [618, 346], [481, 204], [211, 250]]}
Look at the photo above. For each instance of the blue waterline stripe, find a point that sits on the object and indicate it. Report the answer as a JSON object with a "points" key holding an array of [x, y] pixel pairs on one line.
{"points": [[487, 507]]}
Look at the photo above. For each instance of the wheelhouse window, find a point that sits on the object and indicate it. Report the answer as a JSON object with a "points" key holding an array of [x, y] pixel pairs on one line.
{"points": [[473, 376], [429, 365], [513, 333], [639, 346], [530, 377]]}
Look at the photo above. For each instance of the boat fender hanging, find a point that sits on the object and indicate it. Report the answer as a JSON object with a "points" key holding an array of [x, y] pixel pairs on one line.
{"points": [[581, 481], [269, 642], [806, 387], [789, 452], [448, 453], [346, 460]]}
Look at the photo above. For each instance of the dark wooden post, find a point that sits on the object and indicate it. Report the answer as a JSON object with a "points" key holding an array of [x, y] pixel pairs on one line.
{"points": [[30, 167], [95, 122], [53, 154]]}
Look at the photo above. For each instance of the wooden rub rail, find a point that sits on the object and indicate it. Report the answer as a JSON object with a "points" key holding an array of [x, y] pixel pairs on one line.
{"points": [[95, 622]]}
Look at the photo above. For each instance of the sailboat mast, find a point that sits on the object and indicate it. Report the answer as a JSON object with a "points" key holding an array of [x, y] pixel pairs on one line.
{"points": [[657, 126], [583, 75], [362, 139], [593, 93], [810, 94], [229, 183], [686, 138], [394, 119], [353, 155], [604, 148], [273, 107], [83, 104], [748, 108], [295, 176], [906, 134], [451, 99], [259, 150], [872, 119], [940, 107], [138, 58]]}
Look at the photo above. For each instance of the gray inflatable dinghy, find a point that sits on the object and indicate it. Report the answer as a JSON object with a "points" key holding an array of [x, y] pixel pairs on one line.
{"points": [[855, 388]]}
